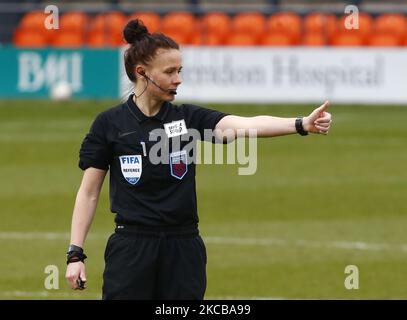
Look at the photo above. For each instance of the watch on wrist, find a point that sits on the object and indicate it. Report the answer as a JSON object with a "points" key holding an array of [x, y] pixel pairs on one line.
{"points": [[74, 248], [299, 127], [75, 254]]}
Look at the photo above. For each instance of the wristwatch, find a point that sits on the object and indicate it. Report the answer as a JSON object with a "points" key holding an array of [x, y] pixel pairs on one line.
{"points": [[75, 254], [73, 248], [299, 127]]}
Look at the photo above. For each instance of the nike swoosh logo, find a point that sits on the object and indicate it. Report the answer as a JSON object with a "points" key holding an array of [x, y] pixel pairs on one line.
{"points": [[123, 134]]}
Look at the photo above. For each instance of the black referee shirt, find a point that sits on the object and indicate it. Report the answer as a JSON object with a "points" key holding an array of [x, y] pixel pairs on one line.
{"points": [[142, 192]]}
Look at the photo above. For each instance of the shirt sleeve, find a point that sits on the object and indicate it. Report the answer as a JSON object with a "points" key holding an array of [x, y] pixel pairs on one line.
{"points": [[95, 151], [203, 119]]}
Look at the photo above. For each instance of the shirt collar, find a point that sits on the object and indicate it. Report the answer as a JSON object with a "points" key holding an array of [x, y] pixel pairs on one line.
{"points": [[141, 117]]}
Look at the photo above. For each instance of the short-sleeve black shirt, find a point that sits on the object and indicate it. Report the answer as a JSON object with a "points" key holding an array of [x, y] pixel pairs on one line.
{"points": [[119, 139]]}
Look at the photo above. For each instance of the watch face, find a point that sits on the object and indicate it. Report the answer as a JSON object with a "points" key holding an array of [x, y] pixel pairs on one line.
{"points": [[74, 248]]}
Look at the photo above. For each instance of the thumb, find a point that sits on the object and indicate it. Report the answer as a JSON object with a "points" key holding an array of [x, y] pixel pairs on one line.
{"points": [[323, 108], [319, 112]]}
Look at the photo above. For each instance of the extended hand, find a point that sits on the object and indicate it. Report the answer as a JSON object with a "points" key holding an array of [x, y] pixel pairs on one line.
{"points": [[319, 121]]}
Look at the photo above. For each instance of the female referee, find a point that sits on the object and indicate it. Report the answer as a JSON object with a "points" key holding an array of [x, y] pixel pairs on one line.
{"points": [[156, 251]]}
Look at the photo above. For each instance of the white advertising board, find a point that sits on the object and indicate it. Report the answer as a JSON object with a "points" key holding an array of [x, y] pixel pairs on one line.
{"points": [[300, 74]]}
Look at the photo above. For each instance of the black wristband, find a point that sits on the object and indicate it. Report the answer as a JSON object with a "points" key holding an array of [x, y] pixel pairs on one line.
{"points": [[75, 256], [299, 127], [74, 248]]}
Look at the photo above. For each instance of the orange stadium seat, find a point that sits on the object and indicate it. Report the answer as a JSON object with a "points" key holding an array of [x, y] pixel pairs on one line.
{"points": [[51, 34], [314, 39], [281, 39], [179, 36], [179, 23], [216, 23], [252, 23], [111, 21], [29, 38], [101, 38], [107, 30], [68, 39], [286, 22], [197, 39], [33, 20], [391, 23], [347, 39], [320, 22], [98, 39], [150, 19], [384, 40], [74, 21], [241, 39], [207, 39]]}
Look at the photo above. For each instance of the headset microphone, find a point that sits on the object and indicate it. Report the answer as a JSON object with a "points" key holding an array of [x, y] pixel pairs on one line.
{"points": [[145, 76]]}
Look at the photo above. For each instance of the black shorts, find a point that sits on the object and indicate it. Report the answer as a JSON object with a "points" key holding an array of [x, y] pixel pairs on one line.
{"points": [[156, 264]]}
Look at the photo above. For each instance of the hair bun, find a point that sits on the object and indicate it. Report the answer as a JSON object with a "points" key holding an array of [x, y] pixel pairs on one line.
{"points": [[134, 31]]}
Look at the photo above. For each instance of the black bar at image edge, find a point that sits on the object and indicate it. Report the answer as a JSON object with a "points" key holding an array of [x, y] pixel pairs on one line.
{"points": [[213, 309]]}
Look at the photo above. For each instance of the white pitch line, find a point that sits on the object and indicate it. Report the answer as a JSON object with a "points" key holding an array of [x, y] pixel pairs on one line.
{"points": [[33, 236], [45, 236], [346, 245], [350, 245]]}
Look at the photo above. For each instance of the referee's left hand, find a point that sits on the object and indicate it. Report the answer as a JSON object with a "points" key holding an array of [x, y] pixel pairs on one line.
{"points": [[319, 121], [75, 275]]}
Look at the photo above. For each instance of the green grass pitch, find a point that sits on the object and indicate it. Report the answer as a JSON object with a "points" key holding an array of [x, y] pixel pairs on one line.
{"points": [[315, 205]]}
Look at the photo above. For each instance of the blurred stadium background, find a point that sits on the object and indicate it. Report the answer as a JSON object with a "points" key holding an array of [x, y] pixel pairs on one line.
{"points": [[315, 204]]}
